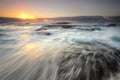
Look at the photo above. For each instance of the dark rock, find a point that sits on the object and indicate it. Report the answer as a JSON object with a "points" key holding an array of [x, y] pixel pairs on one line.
{"points": [[42, 28], [89, 28], [89, 62], [66, 26], [111, 25], [62, 23], [47, 33], [44, 33]]}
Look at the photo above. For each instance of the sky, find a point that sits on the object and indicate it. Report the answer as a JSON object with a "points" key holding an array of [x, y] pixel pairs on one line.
{"points": [[59, 8]]}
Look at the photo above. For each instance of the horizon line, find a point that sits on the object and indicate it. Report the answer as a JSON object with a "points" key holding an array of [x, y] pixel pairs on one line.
{"points": [[63, 16]]}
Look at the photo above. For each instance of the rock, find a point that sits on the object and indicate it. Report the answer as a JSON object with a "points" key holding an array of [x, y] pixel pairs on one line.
{"points": [[44, 33], [89, 62], [111, 25], [63, 23], [47, 33], [66, 26], [42, 28], [89, 28]]}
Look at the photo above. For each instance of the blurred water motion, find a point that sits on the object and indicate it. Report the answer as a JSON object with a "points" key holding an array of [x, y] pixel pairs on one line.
{"points": [[27, 55], [31, 62]]}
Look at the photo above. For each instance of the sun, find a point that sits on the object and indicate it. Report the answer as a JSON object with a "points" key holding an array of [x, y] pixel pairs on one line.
{"points": [[25, 16]]}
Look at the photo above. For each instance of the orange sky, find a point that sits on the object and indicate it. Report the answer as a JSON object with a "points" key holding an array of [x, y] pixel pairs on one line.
{"points": [[59, 8], [20, 10]]}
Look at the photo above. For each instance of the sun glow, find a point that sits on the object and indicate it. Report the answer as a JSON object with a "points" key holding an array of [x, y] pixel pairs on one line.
{"points": [[25, 16]]}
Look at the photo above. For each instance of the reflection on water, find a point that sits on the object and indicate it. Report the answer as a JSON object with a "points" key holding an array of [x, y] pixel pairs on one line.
{"points": [[26, 55]]}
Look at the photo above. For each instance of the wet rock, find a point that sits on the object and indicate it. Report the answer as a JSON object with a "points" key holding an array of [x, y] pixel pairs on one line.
{"points": [[63, 23], [44, 33], [89, 28], [66, 26], [47, 33], [97, 63], [42, 28], [112, 25]]}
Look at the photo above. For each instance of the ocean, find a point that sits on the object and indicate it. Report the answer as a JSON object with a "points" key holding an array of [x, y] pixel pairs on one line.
{"points": [[27, 54]]}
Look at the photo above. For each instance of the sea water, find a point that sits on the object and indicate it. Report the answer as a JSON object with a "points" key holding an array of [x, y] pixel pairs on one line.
{"points": [[26, 54]]}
